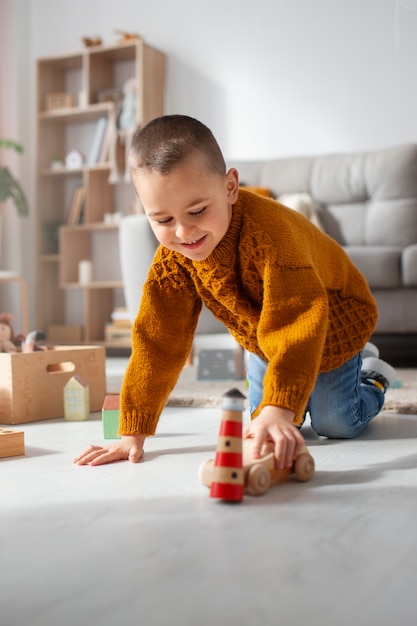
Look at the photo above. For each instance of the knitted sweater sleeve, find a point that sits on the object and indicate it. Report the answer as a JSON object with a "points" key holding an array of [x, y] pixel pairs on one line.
{"points": [[291, 333], [161, 342]]}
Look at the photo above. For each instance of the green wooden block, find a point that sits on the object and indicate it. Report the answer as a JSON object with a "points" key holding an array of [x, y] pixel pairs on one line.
{"points": [[110, 416]]}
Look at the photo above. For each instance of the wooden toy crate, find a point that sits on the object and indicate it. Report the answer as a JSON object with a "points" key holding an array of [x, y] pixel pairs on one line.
{"points": [[32, 385]]}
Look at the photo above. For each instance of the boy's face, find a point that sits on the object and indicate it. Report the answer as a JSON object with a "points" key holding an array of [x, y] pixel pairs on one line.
{"points": [[190, 208]]}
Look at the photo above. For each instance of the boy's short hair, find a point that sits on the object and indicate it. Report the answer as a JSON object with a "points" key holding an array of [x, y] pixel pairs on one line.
{"points": [[168, 141]]}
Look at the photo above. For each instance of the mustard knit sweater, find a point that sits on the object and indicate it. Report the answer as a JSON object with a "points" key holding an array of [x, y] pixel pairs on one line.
{"points": [[285, 290]]}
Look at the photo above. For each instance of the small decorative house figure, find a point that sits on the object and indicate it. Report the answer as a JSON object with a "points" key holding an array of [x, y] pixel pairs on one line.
{"points": [[76, 400]]}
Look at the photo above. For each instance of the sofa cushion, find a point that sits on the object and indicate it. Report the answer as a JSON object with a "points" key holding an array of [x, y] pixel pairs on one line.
{"points": [[391, 173], [375, 191], [344, 222], [381, 265], [336, 179], [409, 266], [278, 175], [392, 222]]}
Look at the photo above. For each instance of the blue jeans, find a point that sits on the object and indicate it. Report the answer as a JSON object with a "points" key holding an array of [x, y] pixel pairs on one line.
{"points": [[340, 405]]}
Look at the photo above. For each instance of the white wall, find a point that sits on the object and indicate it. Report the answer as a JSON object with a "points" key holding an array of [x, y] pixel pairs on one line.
{"points": [[270, 77], [16, 116]]}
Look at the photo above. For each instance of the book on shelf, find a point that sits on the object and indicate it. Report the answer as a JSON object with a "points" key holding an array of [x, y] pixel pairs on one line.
{"points": [[109, 135], [120, 317], [97, 143], [77, 204]]}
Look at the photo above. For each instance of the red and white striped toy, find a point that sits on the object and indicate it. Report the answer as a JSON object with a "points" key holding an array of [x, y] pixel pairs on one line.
{"points": [[228, 478]]}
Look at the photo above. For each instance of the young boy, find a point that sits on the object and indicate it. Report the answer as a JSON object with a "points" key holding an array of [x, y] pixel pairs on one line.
{"points": [[287, 292]]}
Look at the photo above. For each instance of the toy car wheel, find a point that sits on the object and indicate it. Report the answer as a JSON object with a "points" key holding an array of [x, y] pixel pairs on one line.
{"points": [[304, 467], [205, 473], [258, 480]]}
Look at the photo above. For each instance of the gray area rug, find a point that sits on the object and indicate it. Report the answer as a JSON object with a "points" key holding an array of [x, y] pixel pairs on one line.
{"points": [[201, 393], [402, 398]]}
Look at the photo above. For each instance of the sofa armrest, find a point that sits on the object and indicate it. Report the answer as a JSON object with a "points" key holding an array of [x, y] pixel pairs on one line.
{"points": [[409, 266], [137, 245]]}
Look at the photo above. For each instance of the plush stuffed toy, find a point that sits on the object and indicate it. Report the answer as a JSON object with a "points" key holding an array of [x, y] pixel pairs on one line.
{"points": [[303, 203], [9, 342]]}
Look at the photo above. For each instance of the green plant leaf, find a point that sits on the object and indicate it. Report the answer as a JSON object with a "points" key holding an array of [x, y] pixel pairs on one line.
{"points": [[9, 143], [10, 188]]}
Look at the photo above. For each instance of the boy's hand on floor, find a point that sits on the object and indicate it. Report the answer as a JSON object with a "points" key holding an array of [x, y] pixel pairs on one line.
{"points": [[275, 424], [129, 448]]}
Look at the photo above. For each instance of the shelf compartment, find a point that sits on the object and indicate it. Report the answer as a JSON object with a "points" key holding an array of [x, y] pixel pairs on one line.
{"points": [[99, 305], [96, 244], [62, 74], [94, 78]]}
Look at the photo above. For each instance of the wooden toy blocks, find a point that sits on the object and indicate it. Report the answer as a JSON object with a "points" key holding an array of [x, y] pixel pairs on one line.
{"points": [[110, 416], [12, 443]]}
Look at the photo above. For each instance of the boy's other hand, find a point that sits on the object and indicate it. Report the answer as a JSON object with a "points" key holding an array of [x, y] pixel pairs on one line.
{"points": [[275, 423], [129, 448]]}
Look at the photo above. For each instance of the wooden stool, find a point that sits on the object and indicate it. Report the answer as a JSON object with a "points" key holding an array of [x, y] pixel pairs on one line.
{"points": [[12, 277]]}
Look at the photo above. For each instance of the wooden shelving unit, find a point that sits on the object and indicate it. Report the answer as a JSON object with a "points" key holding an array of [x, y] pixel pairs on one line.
{"points": [[83, 77]]}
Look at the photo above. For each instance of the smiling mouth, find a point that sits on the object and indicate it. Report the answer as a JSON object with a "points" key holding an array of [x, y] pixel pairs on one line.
{"points": [[195, 243]]}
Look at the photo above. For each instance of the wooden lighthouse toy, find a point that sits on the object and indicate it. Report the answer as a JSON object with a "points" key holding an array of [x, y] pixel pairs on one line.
{"points": [[227, 480], [235, 470]]}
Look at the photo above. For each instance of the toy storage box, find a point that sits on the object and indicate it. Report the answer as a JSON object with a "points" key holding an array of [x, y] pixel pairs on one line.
{"points": [[32, 384]]}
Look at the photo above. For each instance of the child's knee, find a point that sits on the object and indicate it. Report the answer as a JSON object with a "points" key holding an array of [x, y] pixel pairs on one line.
{"points": [[337, 427], [336, 431]]}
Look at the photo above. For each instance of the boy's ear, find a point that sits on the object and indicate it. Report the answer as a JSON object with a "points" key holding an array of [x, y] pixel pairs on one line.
{"points": [[232, 185]]}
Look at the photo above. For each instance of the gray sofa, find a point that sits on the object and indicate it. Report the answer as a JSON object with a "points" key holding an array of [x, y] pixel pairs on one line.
{"points": [[366, 201]]}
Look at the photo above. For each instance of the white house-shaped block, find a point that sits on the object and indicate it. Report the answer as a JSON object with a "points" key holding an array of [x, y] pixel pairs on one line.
{"points": [[76, 400]]}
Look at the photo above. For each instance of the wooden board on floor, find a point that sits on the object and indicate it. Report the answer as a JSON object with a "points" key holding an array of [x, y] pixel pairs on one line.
{"points": [[12, 442]]}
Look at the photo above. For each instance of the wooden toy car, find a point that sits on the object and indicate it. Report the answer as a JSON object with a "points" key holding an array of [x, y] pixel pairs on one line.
{"points": [[259, 474]]}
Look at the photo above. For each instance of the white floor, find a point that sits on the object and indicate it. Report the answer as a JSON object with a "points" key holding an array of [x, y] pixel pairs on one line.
{"points": [[145, 544]]}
